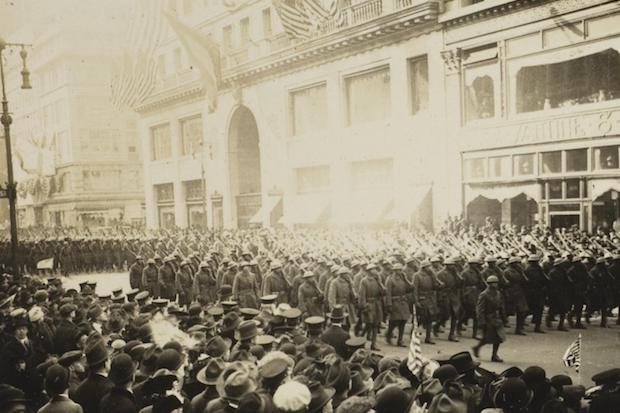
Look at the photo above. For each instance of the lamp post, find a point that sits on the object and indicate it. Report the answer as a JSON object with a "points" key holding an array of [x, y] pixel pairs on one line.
{"points": [[10, 191]]}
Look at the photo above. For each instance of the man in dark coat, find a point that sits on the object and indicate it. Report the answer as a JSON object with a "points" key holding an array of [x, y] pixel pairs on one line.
{"points": [[600, 290], [425, 286], [67, 333], [516, 302], [335, 335], [451, 296], [167, 280], [90, 392], [579, 278], [491, 318], [473, 285], [120, 399], [371, 294], [150, 278], [16, 366], [536, 290], [397, 290], [310, 298], [135, 273]]}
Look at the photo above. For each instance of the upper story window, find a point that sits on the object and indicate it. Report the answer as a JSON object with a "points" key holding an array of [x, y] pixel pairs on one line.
{"points": [[475, 168], [309, 109], [499, 167], [227, 36], [551, 162], [368, 96], [571, 82], [378, 173], [314, 178], [244, 30], [161, 146], [482, 83], [606, 157], [164, 193], [267, 26], [524, 165], [418, 77], [191, 135]]}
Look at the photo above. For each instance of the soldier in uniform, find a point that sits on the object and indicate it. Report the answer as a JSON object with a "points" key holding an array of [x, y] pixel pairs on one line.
{"points": [[536, 290], [397, 303], [135, 273], [185, 283], [245, 289], [600, 290], [167, 280], [516, 302], [150, 278], [614, 271], [491, 318], [579, 278], [310, 298], [276, 283], [340, 292], [451, 296], [559, 298], [371, 293], [205, 285], [425, 286], [473, 285]]}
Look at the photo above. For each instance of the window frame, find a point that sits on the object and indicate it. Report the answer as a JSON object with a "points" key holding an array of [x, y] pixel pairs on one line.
{"points": [[347, 100], [291, 105]]}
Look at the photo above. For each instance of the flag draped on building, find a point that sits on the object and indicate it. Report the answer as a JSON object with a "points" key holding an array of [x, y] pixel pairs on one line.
{"points": [[336, 14], [136, 75], [294, 18], [203, 53], [572, 355]]}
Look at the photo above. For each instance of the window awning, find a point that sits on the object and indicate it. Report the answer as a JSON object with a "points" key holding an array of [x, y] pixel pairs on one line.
{"points": [[408, 205], [304, 209], [502, 192], [599, 186], [264, 213], [366, 208]]}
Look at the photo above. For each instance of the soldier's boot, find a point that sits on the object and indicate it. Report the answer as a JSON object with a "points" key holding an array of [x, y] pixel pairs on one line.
{"points": [[548, 321], [561, 323], [569, 319], [474, 333], [495, 357], [520, 322], [428, 339], [452, 330], [604, 319], [388, 333], [436, 329], [476, 349], [401, 331], [373, 338]]}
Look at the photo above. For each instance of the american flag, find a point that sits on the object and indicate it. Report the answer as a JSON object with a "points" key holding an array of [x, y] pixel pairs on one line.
{"points": [[336, 13], [416, 362], [294, 17], [572, 355], [134, 79]]}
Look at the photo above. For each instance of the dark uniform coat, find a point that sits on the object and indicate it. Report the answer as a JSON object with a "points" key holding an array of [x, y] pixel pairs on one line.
{"points": [[397, 290], [559, 290], [205, 286], [425, 286], [310, 299], [275, 283], [450, 293], [336, 337], [66, 336], [491, 316], [371, 293], [135, 275], [516, 301], [473, 285], [167, 282], [150, 280], [340, 291]]}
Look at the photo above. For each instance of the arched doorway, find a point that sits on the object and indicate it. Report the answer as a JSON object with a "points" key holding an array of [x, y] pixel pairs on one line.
{"points": [[482, 211], [244, 166]]}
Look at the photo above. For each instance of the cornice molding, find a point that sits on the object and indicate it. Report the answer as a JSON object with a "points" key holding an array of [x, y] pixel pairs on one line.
{"points": [[183, 93]]}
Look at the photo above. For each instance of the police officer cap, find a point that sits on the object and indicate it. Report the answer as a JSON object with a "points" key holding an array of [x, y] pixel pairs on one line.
{"points": [[492, 279], [356, 342], [142, 295], [474, 260], [607, 377], [314, 321]]}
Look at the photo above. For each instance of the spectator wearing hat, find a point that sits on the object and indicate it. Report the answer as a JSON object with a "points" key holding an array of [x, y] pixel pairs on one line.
{"points": [[392, 399], [245, 287], [150, 280], [292, 397], [276, 283], [135, 273], [370, 294], [607, 398], [335, 335], [398, 290], [16, 364], [208, 376], [57, 388], [309, 297], [513, 396], [341, 292], [273, 373], [90, 392], [491, 318], [255, 402], [72, 362], [41, 334], [67, 333], [425, 286], [339, 377], [321, 397], [120, 399], [12, 399]]}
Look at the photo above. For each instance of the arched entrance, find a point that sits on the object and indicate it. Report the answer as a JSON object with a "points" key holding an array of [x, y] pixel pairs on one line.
{"points": [[483, 211], [244, 166]]}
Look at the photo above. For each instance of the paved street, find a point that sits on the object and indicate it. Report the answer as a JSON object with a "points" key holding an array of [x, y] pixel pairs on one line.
{"points": [[601, 347]]}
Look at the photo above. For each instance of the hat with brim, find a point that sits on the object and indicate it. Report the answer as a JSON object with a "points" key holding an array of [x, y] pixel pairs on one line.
{"points": [[358, 385], [320, 396], [463, 362], [337, 313], [10, 395], [247, 330], [512, 394], [96, 354], [209, 374]]}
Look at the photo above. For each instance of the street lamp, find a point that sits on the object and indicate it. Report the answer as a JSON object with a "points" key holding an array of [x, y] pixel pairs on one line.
{"points": [[9, 190]]}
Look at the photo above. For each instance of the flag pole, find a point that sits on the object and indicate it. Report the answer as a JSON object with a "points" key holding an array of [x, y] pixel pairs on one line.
{"points": [[579, 367]]}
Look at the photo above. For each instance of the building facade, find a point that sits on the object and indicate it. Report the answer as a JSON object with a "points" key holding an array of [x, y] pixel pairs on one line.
{"points": [[345, 128], [77, 158], [533, 89]]}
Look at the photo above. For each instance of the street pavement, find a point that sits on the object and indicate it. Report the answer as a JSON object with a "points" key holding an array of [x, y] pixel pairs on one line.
{"points": [[600, 347]]}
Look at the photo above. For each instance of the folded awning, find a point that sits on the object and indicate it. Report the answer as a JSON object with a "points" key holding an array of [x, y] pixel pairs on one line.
{"points": [[304, 209], [366, 209], [599, 186], [502, 192], [264, 213], [407, 205]]}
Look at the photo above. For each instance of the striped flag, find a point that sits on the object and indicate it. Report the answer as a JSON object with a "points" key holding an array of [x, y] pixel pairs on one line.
{"points": [[572, 355], [416, 362], [315, 9], [336, 14], [204, 53], [294, 18], [135, 77]]}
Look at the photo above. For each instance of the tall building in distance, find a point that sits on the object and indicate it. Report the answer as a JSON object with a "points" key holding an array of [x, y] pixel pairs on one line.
{"points": [[340, 125], [77, 158]]}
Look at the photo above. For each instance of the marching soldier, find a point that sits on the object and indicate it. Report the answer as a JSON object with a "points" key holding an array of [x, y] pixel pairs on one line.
{"points": [[205, 284], [473, 285], [135, 273], [397, 303], [310, 298], [185, 283], [244, 287], [341, 293], [167, 280], [276, 283], [491, 317], [425, 286], [371, 294], [536, 290], [600, 290], [516, 302], [559, 298], [579, 277], [451, 294], [150, 278]]}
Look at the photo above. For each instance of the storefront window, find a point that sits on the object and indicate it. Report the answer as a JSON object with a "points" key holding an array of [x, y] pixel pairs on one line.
{"points": [[577, 160], [606, 157], [555, 190], [523, 165], [587, 79], [572, 188], [480, 92], [499, 167], [551, 162], [475, 168]]}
